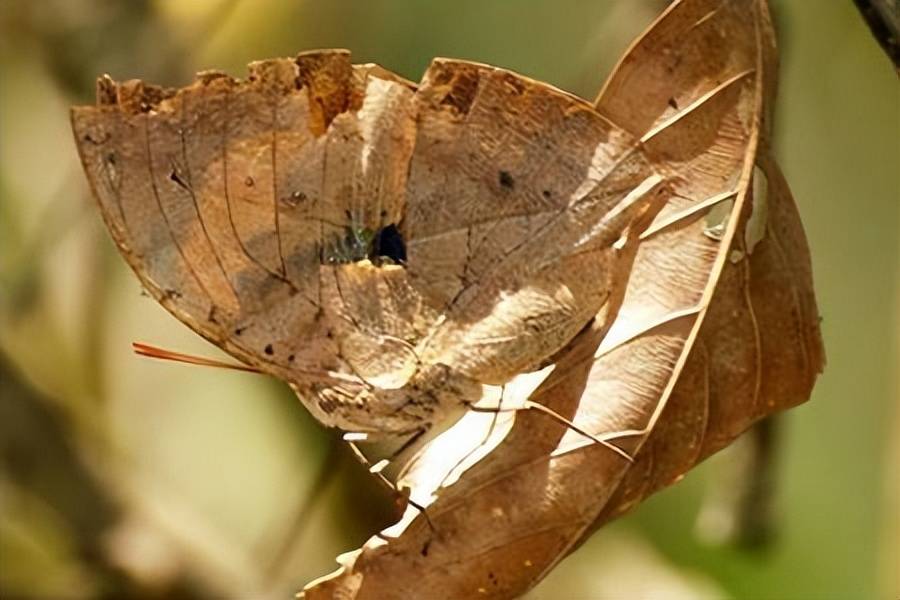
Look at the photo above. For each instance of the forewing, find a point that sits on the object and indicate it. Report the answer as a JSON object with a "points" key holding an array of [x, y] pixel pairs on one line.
{"points": [[227, 196]]}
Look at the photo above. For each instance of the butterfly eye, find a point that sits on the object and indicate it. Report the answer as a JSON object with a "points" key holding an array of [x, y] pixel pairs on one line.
{"points": [[384, 246], [388, 245]]}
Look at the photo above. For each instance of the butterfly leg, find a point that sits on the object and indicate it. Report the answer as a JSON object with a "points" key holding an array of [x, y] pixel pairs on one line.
{"points": [[377, 468]]}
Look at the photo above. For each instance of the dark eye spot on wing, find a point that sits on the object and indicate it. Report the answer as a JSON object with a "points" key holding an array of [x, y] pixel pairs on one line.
{"points": [[269, 350], [384, 246], [506, 180], [388, 244]]}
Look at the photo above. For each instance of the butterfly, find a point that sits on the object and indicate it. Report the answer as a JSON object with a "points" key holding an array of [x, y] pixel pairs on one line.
{"points": [[387, 248]]}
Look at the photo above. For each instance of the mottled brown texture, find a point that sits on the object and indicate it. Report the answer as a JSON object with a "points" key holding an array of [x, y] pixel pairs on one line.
{"points": [[654, 222], [717, 328], [251, 209]]}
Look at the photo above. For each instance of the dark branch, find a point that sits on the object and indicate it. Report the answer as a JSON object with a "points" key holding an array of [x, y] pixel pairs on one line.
{"points": [[883, 19]]}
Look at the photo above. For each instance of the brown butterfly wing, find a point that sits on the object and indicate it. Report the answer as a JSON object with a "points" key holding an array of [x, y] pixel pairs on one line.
{"points": [[223, 196], [241, 206], [511, 189]]}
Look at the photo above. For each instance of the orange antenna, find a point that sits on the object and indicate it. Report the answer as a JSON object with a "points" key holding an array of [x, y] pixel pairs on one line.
{"points": [[149, 351]]}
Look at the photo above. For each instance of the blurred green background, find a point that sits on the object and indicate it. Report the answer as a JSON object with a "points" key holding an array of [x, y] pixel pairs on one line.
{"points": [[129, 478]]}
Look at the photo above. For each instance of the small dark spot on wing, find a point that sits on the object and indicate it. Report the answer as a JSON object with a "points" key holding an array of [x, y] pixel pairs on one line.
{"points": [[506, 180], [92, 140], [174, 176], [327, 406]]}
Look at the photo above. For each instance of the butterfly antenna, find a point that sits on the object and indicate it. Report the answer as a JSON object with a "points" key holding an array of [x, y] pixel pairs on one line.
{"points": [[538, 407], [149, 351]]}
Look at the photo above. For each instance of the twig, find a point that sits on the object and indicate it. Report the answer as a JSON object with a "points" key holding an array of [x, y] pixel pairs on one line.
{"points": [[739, 507], [289, 538], [883, 19]]}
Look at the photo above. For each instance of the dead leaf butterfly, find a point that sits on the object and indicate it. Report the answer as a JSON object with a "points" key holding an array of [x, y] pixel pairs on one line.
{"points": [[386, 248]]}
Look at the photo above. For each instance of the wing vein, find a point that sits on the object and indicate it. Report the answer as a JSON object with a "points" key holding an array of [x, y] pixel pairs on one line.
{"points": [[187, 172], [162, 212]]}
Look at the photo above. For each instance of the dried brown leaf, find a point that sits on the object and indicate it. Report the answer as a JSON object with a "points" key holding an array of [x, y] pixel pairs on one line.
{"points": [[718, 328]]}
